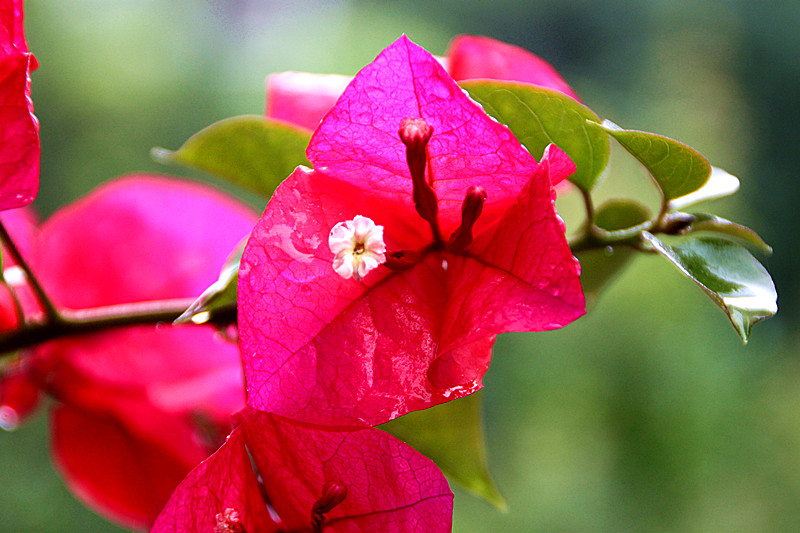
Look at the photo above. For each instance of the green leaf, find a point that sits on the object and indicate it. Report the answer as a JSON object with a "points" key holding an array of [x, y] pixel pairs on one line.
{"points": [[250, 151], [728, 274], [708, 222], [600, 266], [539, 116], [677, 169], [220, 295], [621, 213], [450, 434], [719, 185]]}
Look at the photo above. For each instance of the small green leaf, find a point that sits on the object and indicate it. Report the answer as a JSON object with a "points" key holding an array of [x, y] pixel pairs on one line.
{"points": [[708, 222], [719, 185], [221, 294], [539, 116], [450, 434], [728, 274], [621, 213], [250, 151], [677, 169], [600, 266]]}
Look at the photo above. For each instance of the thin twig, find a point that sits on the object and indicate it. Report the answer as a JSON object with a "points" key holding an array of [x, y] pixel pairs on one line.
{"points": [[49, 309], [79, 322]]}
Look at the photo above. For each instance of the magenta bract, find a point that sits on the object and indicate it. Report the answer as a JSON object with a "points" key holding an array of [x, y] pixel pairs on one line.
{"points": [[474, 57], [19, 136], [302, 99], [338, 481], [138, 407], [336, 351]]}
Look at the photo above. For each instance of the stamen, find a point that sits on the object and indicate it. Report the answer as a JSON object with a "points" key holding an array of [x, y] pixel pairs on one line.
{"points": [[357, 246], [470, 211], [415, 134]]}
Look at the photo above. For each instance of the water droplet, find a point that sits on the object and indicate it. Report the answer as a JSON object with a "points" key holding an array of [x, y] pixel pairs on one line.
{"points": [[608, 251], [201, 318], [305, 289], [14, 276], [444, 264]]}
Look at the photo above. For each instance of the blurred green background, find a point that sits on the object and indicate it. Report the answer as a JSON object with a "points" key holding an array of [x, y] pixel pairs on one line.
{"points": [[646, 415]]}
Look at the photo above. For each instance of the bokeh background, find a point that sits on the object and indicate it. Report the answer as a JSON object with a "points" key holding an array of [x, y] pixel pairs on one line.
{"points": [[646, 415]]}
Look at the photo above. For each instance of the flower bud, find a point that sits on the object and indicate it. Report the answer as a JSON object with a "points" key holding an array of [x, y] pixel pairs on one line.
{"points": [[415, 134], [332, 495], [402, 260], [470, 211]]}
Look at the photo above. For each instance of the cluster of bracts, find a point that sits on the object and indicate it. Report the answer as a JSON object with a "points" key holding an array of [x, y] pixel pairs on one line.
{"points": [[373, 285]]}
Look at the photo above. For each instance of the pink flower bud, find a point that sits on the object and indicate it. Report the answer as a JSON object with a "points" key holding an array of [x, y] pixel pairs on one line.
{"points": [[415, 133], [470, 211]]}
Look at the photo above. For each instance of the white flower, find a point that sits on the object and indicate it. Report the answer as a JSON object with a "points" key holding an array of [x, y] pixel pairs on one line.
{"points": [[358, 247]]}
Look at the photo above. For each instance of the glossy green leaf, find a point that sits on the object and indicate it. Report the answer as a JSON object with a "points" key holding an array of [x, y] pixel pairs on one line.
{"points": [[677, 169], [450, 434], [539, 116], [250, 151], [728, 274], [719, 185], [600, 266], [220, 295], [713, 223]]}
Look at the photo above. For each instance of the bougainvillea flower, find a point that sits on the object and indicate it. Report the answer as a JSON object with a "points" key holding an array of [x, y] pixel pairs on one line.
{"points": [[473, 245], [311, 480], [19, 136], [138, 407], [303, 99]]}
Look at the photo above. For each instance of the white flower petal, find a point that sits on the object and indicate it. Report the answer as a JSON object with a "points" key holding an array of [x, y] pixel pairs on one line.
{"points": [[358, 247]]}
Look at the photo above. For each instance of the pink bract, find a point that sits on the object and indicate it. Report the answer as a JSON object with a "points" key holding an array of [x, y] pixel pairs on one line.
{"points": [[19, 136], [338, 352], [473, 57], [140, 406], [357, 481], [303, 99]]}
